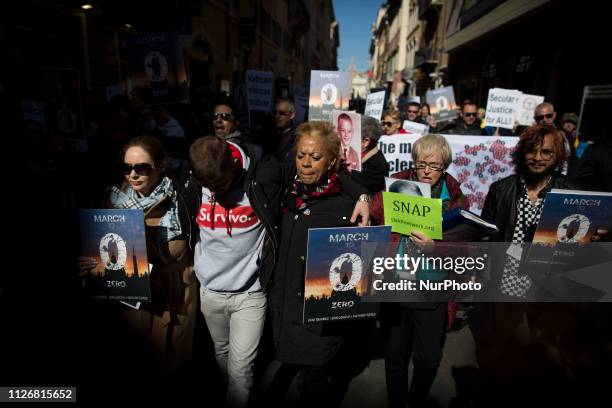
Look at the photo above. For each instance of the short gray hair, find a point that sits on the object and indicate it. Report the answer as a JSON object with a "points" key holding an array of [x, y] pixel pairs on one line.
{"points": [[371, 129], [431, 143]]}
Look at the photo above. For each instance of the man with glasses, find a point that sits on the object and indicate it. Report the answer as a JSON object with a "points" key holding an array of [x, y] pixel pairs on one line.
{"points": [[467, 124], [514, 204], [282, 143], [413, 110], [544, 114], [225, 123]]}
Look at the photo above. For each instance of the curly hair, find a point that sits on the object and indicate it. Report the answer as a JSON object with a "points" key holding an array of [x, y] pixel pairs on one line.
{"points": [[533, 137], [327, 132]]}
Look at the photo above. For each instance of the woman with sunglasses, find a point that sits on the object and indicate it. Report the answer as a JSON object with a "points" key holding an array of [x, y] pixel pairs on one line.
{"points": [[417, 329], [392, 123], [166, 325]]}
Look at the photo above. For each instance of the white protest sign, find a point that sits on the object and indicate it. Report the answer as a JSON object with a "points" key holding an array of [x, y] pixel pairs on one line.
{"points": [[502, 107], [414, 127], [375, 104], [259, 90], [477, 161], [527, 107]]}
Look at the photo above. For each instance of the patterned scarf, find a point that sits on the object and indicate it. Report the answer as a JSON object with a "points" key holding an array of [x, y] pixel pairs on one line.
{"points": [[515, 282], [302, 193], [169, 224]]}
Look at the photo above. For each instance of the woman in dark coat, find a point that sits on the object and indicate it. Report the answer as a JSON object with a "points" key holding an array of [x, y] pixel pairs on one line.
{"points": [[315, 200]]}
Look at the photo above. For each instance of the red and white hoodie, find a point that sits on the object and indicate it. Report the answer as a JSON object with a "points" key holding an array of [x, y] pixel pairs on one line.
{"points": [[231, 238]]}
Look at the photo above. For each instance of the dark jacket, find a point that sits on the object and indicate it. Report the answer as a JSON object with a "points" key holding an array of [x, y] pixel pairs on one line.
{"points": [[500, 203], [374, 169], [296, 343], [594, 169], [265, 182], [460, 128]]}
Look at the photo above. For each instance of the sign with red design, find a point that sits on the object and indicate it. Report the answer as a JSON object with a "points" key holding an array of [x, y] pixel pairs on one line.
{"points": [[241, 216], [477, 162]]}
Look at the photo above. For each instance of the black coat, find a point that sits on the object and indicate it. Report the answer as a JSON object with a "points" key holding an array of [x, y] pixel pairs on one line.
{"points": [[373, 173], [311, 344], [460, 128], [500, 203], [594, 169]]}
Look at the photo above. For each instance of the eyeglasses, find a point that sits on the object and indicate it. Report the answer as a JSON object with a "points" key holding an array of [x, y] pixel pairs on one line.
{"points": [[142, 169], [469, 114], [541, 117], [420, 165], [222, 115], [546, 154], [413, 111], [281, 113], [387, 124]]}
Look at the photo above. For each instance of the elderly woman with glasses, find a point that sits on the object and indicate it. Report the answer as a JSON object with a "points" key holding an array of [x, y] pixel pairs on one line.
{"points": [[166, 325], [392, 123], [417, 329]]}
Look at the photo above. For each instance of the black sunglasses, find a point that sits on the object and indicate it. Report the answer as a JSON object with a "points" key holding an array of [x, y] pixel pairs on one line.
{"points": [[469, 114], [222, 115], [142, 169], [540, 117], [387, 124], [412, 111]]}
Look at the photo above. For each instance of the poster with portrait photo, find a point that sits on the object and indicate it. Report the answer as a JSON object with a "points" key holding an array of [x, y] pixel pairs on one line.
{"points": [[442, 103], [409, 187], [348, 126], [329, 90]]}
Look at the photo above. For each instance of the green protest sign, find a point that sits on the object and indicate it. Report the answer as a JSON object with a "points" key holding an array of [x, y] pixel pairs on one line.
{"points": [[406, 213]]}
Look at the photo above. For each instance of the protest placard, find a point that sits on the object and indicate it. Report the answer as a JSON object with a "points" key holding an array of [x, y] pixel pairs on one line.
{"points": [[406, 213], [502, 107], [259, 90], [155, 68], [526, 108], [328, 90], [338, 272], [375, 104], [442, 103], [477, 161], [114, 254], [348, 126], [415, 128]]}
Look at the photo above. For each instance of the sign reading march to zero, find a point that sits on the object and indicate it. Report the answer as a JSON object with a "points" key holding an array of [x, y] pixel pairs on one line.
{"points": [[406, 213]]}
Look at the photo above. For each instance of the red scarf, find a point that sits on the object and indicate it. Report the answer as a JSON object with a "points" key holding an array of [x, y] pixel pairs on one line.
{"points": [[303, 193]]}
